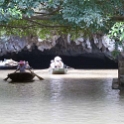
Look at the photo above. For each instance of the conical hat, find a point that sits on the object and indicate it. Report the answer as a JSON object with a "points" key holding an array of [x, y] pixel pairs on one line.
{"points": [[57, 58], [22, 62]]}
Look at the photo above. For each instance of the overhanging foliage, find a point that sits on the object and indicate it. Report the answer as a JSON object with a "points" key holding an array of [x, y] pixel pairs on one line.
{"points": [[23, 17]]}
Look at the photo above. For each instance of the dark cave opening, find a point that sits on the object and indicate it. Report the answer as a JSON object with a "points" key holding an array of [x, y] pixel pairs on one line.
{"points": [[40, 60]]}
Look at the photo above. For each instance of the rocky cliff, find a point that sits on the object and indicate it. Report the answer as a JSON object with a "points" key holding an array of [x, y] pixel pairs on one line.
{"points": [[82, 52], [60, 45]]}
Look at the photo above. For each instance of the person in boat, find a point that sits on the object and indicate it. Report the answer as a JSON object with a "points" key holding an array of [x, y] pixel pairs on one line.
{"points": [[22, 66], [58, 62], [52, 64], [27, 65]]}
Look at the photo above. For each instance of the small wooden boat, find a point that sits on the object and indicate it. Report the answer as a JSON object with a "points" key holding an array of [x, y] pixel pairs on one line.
{"points": [[21, 77], [59, 71]]}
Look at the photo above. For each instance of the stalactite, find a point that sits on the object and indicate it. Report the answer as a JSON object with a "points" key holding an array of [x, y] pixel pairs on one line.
{"points": [[95, 39], [88, 43], [69, 38]]}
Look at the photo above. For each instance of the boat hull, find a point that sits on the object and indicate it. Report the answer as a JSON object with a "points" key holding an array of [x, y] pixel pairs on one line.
{"points": [[59, 71], [21, 77]]}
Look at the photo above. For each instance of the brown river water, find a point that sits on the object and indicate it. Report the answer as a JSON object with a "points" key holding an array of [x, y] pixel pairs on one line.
{"points": [[78, 97]]}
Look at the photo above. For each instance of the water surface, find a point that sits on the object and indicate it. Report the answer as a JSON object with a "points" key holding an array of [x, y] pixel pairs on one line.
{"points": [[79, 97]]}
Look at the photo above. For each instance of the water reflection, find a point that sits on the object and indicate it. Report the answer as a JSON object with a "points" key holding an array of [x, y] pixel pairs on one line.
{"points": [[56, 86]]}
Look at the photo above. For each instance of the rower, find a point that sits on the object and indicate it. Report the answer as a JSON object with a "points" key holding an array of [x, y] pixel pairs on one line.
{"points": [[21, 66], [58, 62], [27, 65], [52, 64]]}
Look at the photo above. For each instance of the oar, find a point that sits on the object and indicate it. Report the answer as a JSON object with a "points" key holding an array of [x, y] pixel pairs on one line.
{"points": [[5, 79], [66, 66], [40, 78]]}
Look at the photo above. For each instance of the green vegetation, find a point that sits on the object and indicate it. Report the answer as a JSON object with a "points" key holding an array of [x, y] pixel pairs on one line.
{"points": [[41, 17]]}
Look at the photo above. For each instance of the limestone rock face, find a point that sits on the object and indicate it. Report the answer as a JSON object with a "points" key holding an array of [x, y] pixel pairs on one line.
{"points": [[11, 44], [60, 45]]}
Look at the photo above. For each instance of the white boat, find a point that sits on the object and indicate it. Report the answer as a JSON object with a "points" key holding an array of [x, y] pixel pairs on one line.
{"points": [[57, 66], [59, 71]]}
